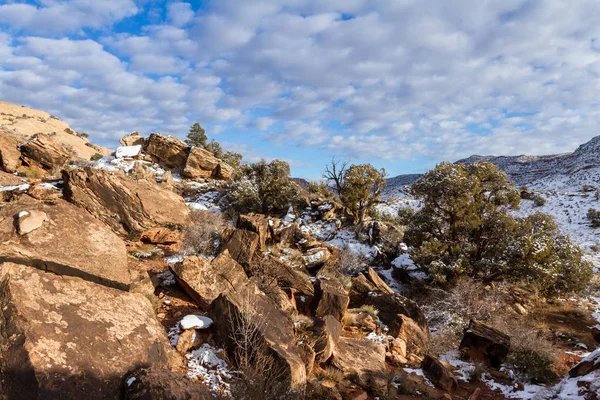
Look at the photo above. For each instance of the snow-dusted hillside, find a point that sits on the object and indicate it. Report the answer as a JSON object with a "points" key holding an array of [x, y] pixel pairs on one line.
{"points": [[582, 164]]}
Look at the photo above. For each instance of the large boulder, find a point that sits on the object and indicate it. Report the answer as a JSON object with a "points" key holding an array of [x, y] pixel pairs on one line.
{"points": [[363, 361], [167, 151], [330, 299], [417, 338], [327, 333], [247, 317], [587, 365], [439, 374], [63, 337], [242, 245], [205, 280], [10, 156], [158, 384], [259, 224], [392, 307], [133, 139], [123, 203], [46, 152], [286, 276], [68, 241], [484, 343], [200, 163]]}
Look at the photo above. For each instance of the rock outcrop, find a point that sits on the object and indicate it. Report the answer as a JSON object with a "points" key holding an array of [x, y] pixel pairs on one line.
{"points": [[363, 361], [62, 337], [484, 343], [68, 241], [155, 384], [440, 375], [123, 203], [200, 164], [247, 314], [10, 156], [45, 152], [205, 280], [167, 151]]}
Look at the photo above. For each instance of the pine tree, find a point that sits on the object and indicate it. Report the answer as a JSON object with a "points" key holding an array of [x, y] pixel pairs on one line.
{"points": [[196, 136]]}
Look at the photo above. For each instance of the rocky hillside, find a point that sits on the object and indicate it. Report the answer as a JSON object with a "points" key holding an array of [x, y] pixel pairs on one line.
{"points": [[583, 164], [128, 277], [23, 124]]}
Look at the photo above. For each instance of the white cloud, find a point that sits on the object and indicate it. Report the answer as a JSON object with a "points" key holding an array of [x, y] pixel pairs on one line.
{"points": [[377, 79]]}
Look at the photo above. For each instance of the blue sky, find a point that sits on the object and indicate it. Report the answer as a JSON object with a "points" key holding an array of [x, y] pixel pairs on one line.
{"points": [[402, 84]]}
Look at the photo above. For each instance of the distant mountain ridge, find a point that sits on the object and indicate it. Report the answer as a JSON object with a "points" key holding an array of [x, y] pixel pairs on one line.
{"points": [[524, 170]]}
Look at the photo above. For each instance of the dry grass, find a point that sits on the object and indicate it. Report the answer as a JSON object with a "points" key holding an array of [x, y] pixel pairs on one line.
{"points": [[350, 263], [203, 234], [330, 373]]}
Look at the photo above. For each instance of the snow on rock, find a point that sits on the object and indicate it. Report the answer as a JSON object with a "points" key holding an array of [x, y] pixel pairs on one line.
{"points": [[128, 151], [16, 187], [205, 365], [193, 321]]}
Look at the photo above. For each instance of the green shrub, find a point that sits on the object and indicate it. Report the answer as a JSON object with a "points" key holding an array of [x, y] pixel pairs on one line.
{"points": [[405, 215], [533, 364], [465, 228], [263, 187], [539, 201], [593, 216], [96, 157]]}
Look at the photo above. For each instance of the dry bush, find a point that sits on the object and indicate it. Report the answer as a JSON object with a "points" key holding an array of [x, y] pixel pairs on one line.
{"points": [[531, 355], [369, 310], [261, 377], [330, 373], [449, 311], [350, 263], [203, 234]]}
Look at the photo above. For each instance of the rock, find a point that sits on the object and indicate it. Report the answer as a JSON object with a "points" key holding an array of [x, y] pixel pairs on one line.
{"points": [[7, 179], [63, 337], [379, 283], [242, 246], [587, 365], [44, 192], [43, 150], [596, 333], [122, 203], [362, 360], [247, 314], [29, 221], [128, 151], [168, 151], [438, 374], [71, 242], [399, 347], [316, 257], [330, 299], [188, 340], [224, 171], [416, 337], [204, 281], [10, 156], [167, 181], [360, 290], [286, 276], [160, 236], [133, 139], [307, 354], [327, 334], [482, 342], [193, 321], [158, 384], [392, 306], [520, 309], [200, 163], [259, 224]]}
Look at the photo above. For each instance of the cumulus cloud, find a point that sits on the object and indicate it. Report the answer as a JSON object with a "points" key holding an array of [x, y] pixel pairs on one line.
{"points": [[372, 80]]}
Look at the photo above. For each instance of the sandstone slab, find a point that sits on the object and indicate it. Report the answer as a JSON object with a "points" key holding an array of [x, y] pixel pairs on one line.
{"points": [[123, 203], [69, 242], [62, 337]]}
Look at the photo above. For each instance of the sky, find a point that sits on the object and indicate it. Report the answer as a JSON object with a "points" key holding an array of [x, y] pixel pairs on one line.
{"points": [[401, 84]]}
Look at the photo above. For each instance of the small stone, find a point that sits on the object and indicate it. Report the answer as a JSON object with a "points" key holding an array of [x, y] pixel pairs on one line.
{"points": [[28, 221], [195, 322]]}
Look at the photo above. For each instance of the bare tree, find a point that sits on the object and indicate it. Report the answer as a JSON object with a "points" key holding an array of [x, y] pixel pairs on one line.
{"points": [[334, 172]]}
